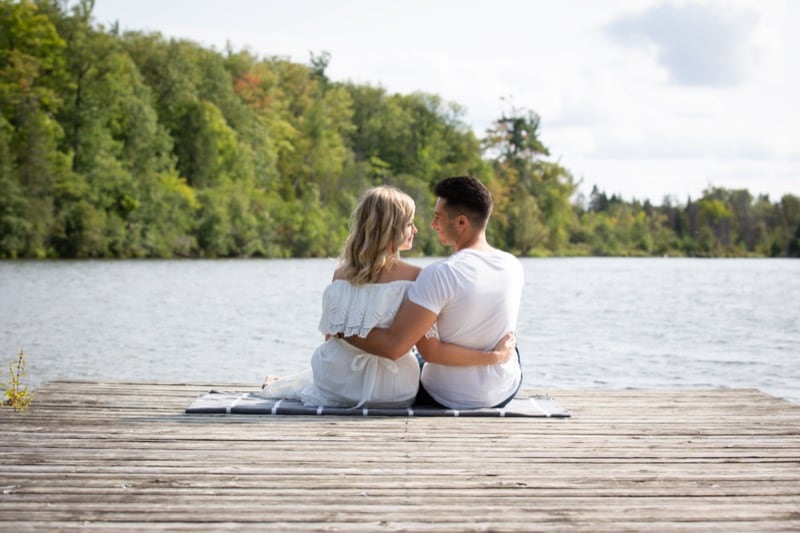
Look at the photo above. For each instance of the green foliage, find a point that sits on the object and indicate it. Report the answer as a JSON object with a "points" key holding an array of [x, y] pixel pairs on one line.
{"points": [[17, 395], [135, 145]]}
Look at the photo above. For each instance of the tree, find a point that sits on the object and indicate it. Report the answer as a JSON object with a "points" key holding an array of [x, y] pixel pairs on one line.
{"points": [[517, 159], [526, 226], [31, 73], [790, 224], [515, 138]]}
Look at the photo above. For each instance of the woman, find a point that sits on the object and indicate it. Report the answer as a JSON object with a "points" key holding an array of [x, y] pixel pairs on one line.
{"points": [[368, 287]]}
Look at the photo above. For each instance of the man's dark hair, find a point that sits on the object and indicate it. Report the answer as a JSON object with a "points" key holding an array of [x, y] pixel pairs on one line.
{"points": [[465, 194]]}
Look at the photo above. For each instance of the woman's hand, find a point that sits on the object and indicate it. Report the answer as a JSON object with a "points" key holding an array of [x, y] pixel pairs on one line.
{"points": [[505, 349]]}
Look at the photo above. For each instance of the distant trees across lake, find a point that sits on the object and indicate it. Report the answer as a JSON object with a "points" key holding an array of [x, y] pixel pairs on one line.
{"points": [[125, 145]]}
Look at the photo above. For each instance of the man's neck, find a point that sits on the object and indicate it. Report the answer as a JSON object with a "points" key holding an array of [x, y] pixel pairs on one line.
{"points": [[475, 242]]}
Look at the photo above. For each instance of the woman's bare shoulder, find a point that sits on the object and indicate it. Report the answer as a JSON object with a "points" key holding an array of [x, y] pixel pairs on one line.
{"points": [[405, 271], [338, 273]]}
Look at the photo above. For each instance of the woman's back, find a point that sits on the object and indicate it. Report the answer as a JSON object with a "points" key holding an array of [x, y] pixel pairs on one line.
{"points": [[344, 375]]}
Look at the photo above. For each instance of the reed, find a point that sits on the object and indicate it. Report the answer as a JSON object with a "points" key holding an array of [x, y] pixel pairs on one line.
{"points": [[18, 397]]}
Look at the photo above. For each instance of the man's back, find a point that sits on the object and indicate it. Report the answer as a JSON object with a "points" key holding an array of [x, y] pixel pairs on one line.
{"points": [[476, 296]]}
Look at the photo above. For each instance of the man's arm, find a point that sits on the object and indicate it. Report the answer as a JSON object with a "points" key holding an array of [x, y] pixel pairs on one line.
{"points": [[445, 353], [410, 324]]}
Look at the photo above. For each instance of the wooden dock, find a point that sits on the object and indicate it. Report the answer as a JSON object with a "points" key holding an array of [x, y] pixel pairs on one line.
{"points": [[116, 456]]}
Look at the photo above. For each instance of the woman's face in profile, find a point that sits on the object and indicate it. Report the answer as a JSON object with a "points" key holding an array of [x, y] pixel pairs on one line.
{"points": [[410, 230]]}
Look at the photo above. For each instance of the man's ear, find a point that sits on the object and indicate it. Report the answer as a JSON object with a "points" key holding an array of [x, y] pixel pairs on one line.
{"points": [[462, 221]]}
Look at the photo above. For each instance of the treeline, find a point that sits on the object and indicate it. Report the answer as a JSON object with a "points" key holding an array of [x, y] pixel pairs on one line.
{"points": [[132, 145], [723, 223]]}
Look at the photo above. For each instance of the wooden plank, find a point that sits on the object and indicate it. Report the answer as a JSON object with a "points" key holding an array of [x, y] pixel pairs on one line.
{"points": [[123, 456]]}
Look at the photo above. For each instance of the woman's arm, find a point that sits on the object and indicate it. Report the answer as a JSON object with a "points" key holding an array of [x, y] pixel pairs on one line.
{"points": [[444, 353]]}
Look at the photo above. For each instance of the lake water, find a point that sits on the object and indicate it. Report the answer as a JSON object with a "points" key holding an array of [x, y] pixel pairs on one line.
{"points": [[585, 322]]}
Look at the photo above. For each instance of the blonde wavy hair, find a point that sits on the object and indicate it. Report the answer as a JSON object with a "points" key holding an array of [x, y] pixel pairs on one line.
{"points": [[378, 227]]}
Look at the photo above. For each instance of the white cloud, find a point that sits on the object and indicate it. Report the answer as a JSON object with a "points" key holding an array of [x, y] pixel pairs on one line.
{"points": [[628, 128], [698, 44]]}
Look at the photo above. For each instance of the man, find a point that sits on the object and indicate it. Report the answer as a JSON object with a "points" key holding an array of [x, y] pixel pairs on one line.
{"points": [[473, 297]]}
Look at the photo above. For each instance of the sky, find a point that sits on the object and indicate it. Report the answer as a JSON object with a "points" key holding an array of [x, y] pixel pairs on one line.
{"points": [[642, 98]]}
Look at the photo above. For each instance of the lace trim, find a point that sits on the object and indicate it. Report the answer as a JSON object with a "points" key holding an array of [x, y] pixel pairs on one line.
{"points": [[433, 332], [355, 310]]}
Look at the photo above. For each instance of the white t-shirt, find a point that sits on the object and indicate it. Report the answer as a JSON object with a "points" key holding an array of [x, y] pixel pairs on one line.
{"points": [[476, 296]]}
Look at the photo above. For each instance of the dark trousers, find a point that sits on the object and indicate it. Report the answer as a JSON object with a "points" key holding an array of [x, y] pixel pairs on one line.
{"points": [[424, 399]]}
